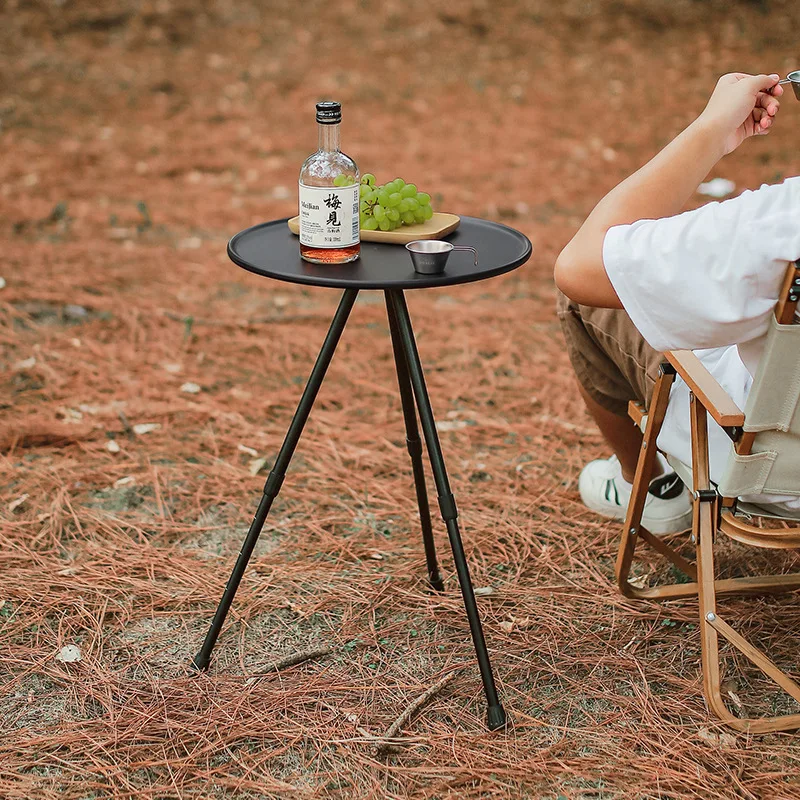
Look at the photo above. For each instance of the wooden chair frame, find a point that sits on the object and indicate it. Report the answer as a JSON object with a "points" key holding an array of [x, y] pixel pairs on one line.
{"points": [[712, 513]]}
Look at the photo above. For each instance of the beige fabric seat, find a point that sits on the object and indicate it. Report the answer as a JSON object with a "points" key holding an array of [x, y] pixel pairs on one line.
{"points": [[764, 460]]}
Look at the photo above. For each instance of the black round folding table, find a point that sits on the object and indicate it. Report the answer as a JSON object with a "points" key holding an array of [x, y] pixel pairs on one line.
{"points": [[270, 249]]}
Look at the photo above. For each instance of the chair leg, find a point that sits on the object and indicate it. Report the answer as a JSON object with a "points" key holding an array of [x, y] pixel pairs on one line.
{"points": [[277, 474], [496, 715], [414, 445], [641, 481], [705, 528]]}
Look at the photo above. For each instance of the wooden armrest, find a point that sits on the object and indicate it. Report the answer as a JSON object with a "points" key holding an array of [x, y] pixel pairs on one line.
{"points": [[706, 389]]}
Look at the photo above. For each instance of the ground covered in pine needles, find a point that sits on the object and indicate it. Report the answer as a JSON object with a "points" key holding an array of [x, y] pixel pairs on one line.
{"points": [[147, 383]]}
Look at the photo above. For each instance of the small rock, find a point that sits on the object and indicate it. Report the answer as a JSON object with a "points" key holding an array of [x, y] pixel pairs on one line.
{"points": [[172, 368], [256, 465], [190, 243], [243, 448], [112, 446], [26, 363], [69, 654], [376, 556], [2, 283], [506, 626], [15, 504], [75, 312], [717, 188], [484, 591], [126, 481], [450, 425], [145, 427], [190, 388], [70, 416]]}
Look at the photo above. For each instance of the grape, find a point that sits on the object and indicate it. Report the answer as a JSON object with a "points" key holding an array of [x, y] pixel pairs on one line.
{"points": [[389, 206], [340, 180]]}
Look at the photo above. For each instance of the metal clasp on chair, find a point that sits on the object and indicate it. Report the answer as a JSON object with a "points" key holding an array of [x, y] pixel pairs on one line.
{"points": [[705, 495]]}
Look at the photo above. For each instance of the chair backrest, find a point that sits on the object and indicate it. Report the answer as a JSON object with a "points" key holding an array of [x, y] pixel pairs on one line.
{"points": [[770, 464]]}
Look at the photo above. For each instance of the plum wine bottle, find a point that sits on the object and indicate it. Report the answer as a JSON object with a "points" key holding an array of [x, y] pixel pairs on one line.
{"points": [[329, 224]]}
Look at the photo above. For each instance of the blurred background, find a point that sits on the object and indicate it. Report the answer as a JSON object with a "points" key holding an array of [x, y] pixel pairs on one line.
{"points": [[146, 383]]}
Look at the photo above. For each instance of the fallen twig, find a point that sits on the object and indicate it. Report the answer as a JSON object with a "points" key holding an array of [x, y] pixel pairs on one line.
{"points": [[289, 661], [386, 746]]}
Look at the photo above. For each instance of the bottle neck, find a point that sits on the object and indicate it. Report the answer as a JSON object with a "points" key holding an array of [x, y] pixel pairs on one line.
{"points": [[328, 138]]}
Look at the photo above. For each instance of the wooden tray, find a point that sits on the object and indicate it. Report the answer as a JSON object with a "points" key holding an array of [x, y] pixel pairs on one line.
{"points": [[436, 227]]}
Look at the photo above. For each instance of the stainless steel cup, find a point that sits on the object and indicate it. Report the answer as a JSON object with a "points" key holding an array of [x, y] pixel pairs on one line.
{"points": [[794, 79], [429, 256]]}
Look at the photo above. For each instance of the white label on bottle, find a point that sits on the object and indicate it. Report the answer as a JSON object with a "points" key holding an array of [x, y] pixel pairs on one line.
{"points": [[329, 215]]}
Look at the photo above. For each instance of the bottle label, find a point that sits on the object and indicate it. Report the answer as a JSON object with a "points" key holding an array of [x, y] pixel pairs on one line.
{"points": [[329, 215]]}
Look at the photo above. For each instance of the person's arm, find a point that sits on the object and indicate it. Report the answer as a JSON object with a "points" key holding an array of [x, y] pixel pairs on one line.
{"points": [[741, 106]]}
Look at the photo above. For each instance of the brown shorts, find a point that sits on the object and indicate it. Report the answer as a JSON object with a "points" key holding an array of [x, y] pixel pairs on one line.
{"points": [[612, 361]]}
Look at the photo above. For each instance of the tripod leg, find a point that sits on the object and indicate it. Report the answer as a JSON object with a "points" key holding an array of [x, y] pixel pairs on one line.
{"points": [[277, 474], [496, 716], [414, 445]]}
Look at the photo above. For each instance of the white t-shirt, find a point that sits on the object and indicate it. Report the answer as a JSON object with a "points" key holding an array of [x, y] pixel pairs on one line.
{"points": [[708, 280]]}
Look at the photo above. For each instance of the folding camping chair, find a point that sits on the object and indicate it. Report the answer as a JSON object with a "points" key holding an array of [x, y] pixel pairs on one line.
{"points": [[764, 459]]}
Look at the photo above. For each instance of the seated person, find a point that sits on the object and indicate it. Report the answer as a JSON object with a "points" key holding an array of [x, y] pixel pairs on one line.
{"points": [[637, 280]]}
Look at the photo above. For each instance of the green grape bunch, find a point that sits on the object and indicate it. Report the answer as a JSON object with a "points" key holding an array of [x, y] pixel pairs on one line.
{"points": [[389, 206]]}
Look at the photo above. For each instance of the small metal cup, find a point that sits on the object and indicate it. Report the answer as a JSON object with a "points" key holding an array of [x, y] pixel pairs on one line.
{"points": [[429, 256], [794, 79]]}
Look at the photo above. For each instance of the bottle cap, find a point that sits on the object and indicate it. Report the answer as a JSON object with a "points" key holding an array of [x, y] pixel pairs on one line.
{"points": [[329, 112]]}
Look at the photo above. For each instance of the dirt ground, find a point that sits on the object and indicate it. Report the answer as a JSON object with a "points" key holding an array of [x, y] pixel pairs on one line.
{"points": [[135, 138]]}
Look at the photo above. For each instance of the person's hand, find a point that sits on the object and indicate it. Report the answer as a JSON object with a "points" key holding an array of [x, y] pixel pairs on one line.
{"points": [[742, 106]]}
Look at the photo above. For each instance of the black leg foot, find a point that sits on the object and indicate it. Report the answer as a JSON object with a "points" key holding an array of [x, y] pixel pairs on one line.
{"points": [[414, 445], [276, 476], [496, 715], [200, 662]]}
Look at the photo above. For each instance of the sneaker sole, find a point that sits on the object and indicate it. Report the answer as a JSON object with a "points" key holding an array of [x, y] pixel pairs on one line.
{"points": [[658, 527]]}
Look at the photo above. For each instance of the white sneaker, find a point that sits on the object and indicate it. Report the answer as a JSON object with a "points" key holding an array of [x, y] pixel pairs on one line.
{"points": [[604, 490]]}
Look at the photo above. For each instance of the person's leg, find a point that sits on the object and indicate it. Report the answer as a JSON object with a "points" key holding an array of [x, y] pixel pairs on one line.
{"points": [[614, 365], [623, 437]]}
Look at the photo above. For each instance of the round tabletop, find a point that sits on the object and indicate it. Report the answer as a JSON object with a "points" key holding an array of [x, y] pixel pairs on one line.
{"points": [[271, 249]]}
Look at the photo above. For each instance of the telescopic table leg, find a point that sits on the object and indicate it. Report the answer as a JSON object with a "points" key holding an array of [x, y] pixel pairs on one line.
{"points": [[414, 444], [496, 715], [278, 473]]}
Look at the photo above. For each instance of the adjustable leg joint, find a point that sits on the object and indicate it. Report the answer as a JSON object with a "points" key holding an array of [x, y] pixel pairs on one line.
{"points": [[447, 503], [414, 447], [705, 495], [273, 484]]}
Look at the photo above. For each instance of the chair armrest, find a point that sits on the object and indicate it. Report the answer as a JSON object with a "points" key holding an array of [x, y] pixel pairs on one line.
{"points": [[706, 389]]}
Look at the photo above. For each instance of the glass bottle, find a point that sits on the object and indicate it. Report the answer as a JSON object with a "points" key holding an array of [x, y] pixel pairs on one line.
{"points": [[329, 201]]}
